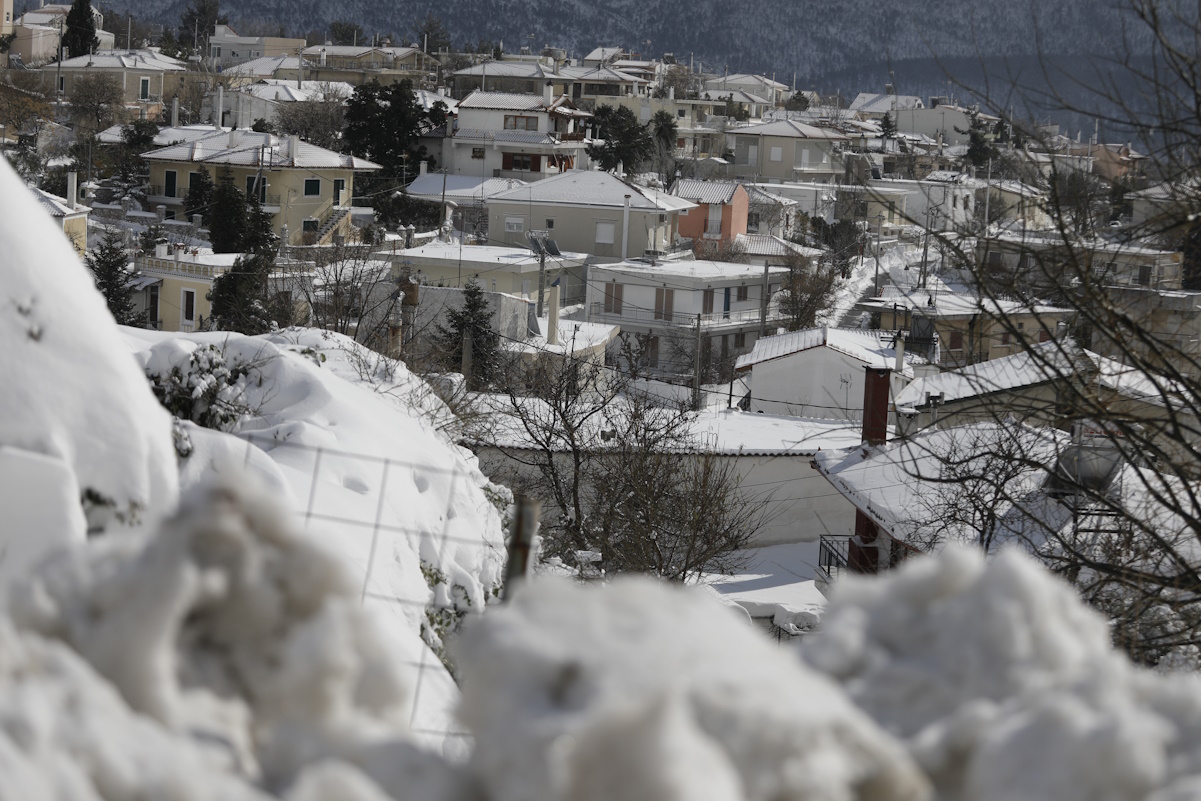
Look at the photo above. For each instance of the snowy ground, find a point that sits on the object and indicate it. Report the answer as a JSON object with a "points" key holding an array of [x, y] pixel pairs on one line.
{"points": [[776, 584]]}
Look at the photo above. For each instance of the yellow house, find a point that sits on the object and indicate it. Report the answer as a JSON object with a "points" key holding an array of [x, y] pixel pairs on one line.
{"points": [[178, 301], [146, 76], [71, 217], [306, 189]]}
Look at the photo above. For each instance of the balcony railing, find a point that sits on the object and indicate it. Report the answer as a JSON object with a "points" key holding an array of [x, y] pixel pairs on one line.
{"points": [[833, 558], [680, 318]]}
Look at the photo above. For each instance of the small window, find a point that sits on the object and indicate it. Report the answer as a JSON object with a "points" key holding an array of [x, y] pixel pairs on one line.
{"points": [[1005, 338], [681, 113], [752, 222], [605, 233], [514, 123], [777, 154], [514, 225], [743, 292], [613, 293], [477, 152], [62, 83], [169, 181], [523, 161], [956, 340], [144, 89], [312, 187], [740, 340], [188, 306], [1044, 335], [550, 223], [664, 301], [707, 302]]}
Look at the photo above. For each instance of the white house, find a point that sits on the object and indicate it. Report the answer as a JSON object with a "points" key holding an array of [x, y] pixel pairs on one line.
{"points": [[771, 90], [666, 301], [819, 372]]}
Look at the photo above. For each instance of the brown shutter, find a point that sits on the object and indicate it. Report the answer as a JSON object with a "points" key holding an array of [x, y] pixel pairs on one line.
{"points": [[506, 161], [535, 164]]}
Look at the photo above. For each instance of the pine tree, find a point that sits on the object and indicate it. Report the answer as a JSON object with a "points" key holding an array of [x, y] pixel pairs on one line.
{"points": [[79, 36], [227, 215], [475, 316], [200, 195], [238, 297], [979, 148], [888, 128], [109, 264]]}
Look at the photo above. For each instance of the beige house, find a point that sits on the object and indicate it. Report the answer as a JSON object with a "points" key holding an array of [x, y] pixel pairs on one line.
{"points": [[227, 48], [696, 130], [146, 76], [771, 90], [589, 212], [6, 17], [787, 150], [306, 189], [175, 298]]}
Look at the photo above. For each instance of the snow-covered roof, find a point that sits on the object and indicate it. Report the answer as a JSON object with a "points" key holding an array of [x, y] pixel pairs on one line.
{"points": [[700, 269], [769, 245], [146, 60], [791, 129], [460, 187], [599, 75], [355, 51], [735, 96], [481, 257], [733, 431], [720, 192], [744, 78], [873, 348], [574, 337], [508, 101], [265, 66], [114, 135], [252, 149], [592, 188], [871, 103], [757, 194], [56, 206], [602, 54], [427, 100], [287, 91], [953, 304]]}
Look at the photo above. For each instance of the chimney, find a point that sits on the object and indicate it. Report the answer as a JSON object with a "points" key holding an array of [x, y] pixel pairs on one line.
{"points": [[72, 189], [875, 405], [323, 56], [233, 138], [175, 112], [423, 168], [548, 94], [625, 225], [219, 109], [671, 93], [899, 345], [552, 323], [294, 146], [160, 211]]}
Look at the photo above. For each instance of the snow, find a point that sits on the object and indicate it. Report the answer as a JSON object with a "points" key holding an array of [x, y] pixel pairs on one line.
{"points": [[353, 440], [639, 690], [777, 583], [71, 390], [42, 514]]}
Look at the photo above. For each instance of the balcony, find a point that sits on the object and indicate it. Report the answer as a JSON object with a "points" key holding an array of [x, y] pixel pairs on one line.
{"points": [[833, 560], [679, 318]]}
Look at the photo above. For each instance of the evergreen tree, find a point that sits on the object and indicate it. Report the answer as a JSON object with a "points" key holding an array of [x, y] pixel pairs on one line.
{"points": [[475, 316], [664, 129], [979, 148], [624, 139], [199, 197], [888, 128], [109, 264], [227, 215], [238, 297], [79, 36], [1190, 248], [258, 236], [197, 22], [383, 123]]}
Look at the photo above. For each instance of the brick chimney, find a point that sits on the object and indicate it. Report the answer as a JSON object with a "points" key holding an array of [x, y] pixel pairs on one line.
{"points": [[875, 405]]}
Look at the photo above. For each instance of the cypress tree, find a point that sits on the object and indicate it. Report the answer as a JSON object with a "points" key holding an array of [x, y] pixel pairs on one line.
{"points": [[109, 264], [227, 215], [79, 36], [475, 316]]}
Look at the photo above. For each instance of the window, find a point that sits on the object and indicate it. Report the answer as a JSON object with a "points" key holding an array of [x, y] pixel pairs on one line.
{"points": [[613, 292], [256, 187], [713, 223], [682, 113], [550, 223], [312, 187], [1044, 335], [605, 233], [740, 340], [477, 152], [1144, 274], [1005, 338], [62, 83], [187, 306], [803, 157], [514, 225], [743, 292], [752, 222], [169, 180], [144, 89], [956, 340], [777, 154], [664, 300], [339, 188], [707, 302], [152, 320], [514, 123], [169, 214]]}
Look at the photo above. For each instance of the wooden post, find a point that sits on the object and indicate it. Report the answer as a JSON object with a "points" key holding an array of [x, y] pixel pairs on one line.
{"points": [[467, 358], [521, 541]]}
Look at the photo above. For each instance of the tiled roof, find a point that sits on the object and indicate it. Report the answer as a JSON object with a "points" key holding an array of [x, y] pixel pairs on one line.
{"points": [[517, 137], [742, 77], [790, 128], [705, 191], [507, 101], [265, 66], [767, 245], [506, 69], [592, 188], [735, 95], [866, 346], [879, 103], [145, 60], [56, 206], [250, 149]]}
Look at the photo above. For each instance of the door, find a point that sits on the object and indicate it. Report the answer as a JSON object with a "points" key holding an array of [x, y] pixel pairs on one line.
{"points": [[339, 187], [725, 309], [144, 89], [169, 183]]}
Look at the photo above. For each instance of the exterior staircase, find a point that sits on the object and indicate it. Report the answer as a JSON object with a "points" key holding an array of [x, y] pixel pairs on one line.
{"points": [[331, 225]]}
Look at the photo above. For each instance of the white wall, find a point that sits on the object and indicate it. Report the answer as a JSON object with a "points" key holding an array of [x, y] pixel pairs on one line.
{"points": [[819, 382]]}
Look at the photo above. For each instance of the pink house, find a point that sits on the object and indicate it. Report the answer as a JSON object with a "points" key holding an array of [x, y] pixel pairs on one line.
{"points": [[720, 213]]}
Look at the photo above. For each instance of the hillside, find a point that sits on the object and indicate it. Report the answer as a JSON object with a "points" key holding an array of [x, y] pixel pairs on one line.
{"points": [[780, 36]]}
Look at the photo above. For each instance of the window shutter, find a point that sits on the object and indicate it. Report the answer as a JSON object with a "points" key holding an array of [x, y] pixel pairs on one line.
{"points": [[506, 161], [535, 164]]}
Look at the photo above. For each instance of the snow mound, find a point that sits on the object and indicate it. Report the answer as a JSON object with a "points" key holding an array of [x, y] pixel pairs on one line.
{"points": [[1004, 685], [71, 391], [242, 636], [641, 691], [354, 441]]}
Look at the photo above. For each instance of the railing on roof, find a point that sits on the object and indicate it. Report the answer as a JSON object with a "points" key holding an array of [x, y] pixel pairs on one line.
{"points": [[672, 317], [833, 558]]}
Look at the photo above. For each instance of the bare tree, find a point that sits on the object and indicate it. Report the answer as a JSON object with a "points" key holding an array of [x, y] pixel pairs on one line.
{"points": [[319, 121], [97, 101], [350, 292], [808, 290]]}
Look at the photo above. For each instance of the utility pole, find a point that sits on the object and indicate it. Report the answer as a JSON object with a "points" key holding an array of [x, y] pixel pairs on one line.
{"points": [[879, 228], [763, 305], [925, 248], [541, 277], [467, 358], [696, 367]]}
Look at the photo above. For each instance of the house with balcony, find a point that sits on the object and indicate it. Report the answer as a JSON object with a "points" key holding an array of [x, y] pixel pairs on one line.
{"points": [[524, 136], [586, 86], [720, 213], [735, 102], [590, 212], [787, 150], [696, 126], [227, 48], [662, 304], [306, 189], [769, 89], [146, 76], [819, 372]]}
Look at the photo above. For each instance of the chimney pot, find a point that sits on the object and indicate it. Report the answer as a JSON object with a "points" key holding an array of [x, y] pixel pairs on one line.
{"points": [[72, 189]]}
